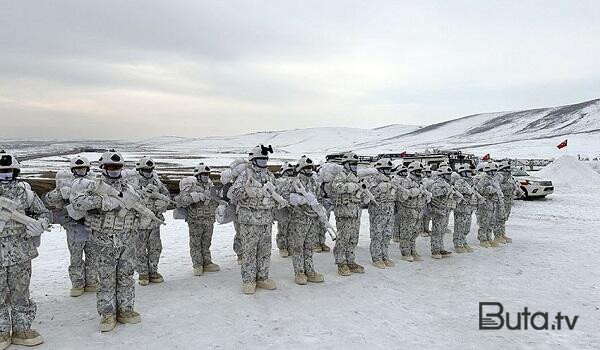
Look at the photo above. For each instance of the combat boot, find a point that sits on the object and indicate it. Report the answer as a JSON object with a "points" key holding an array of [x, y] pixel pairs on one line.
{"points": [[468, 248], [460, 249], [91, 288], [436, 255], [248, 288], [284, 253], [156, 278], [379, 264], [318, 249], [144, 280], [389, 263], [128, 317], [211, 267], [445, 253], [107, 323], [77, 291], [4, 340], [27, 337], [325, 248], [266, 284], [301, 278], [500, 240], [314, 277], [417, 257], [356, 268], [507, 239], [343, 270], [198, 271], [485, 244], [494, 244], [408, 258]]}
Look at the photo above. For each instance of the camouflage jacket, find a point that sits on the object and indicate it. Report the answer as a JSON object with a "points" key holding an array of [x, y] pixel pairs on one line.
{"points": [[347, 201], [254, 206], [385, 195], [158, 206], [203, 210], [464, 186]]}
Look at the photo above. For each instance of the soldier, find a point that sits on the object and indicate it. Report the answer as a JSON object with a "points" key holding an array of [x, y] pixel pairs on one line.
{"points": [[81, 272], [198, 198], [492, 207], [156, 197], [427, 181], [382, 216], [347, 197], [411, 204], [400, 172], [112, 227], [327, 203], [463, 212], [23, 218], [284, 186], [443, 200], [256, 198], [509, 190], [304, 222]]}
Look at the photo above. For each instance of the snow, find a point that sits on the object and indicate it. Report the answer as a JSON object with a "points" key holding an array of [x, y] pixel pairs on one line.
{"points": [[551, 266], [569, 172]]}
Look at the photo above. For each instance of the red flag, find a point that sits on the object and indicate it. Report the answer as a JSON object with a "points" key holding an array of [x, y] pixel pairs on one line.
{"points": [[562, 144], [486, 157], [403, 154]]}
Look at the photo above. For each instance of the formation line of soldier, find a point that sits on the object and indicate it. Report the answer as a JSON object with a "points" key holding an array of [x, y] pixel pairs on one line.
{"points": [[112, 222]]}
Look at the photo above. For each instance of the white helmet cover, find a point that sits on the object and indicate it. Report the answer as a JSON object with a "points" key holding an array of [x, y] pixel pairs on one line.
{"points": [[145, 163], [79, 162], [260, 151], [111, 157]]}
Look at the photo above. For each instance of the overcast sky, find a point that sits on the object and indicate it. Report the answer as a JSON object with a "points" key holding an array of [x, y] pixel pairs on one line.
{"points": [[134, 69]]}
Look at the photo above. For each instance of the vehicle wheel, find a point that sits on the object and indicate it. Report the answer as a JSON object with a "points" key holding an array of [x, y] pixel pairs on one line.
{"points": [[525, 195]]}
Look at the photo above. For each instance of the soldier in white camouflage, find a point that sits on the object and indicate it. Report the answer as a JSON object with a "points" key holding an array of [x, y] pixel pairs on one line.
{"points": [[427, 180], [492, 207], [156, 197], [327, 203], [463, 213], [444, 199], [82, 272], [304, 222], [411, 204], [197, 195], [509, 190], [113, 236], [23, 218], [400, 173], [284, 185], [382, 216], [348, 200], [256, 198]]}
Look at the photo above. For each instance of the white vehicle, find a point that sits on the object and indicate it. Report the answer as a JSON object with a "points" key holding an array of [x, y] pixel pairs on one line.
{"points": [[533, 187]]}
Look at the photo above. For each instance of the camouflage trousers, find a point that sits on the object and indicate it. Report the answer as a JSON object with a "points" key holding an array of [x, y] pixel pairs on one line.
{"points": [[321, 233], [462, 227], [302, 239], [200, 240], [17, 311], [408, 231], [426, 219], [81, 272], [347, 240], [256, 256], [147, 251], [237, 241], [439, 223], [283, 231], [116, 289], [382, 230], [500, 227], [486, 221]]}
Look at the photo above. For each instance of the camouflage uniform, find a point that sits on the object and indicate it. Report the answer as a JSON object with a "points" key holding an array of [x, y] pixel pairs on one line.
{"points": [[347, 210], [410, 207], [82, 272], [463, 212], [509, 189], [17, 249], [427, 182], [327, 203], [491, 209], [382, 217], [283, 216], [439, 208], [113, 238], [255, 218], [148, 245], [200, 219]]}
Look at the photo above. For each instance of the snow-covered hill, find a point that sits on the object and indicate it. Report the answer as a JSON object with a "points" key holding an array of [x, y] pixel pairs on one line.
{"points": [[529, 133]]}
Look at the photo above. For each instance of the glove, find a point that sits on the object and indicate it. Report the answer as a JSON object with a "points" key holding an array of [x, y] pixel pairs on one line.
{"points": [[161, 205], [296, 199], [36, 228], [197, 197], [65, 192], [110, 203], [311, 199], [352, 187], [414, 192]]}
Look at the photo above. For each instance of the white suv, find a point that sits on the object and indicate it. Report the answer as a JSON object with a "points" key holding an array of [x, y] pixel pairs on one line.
{"points": [[532, 186]]}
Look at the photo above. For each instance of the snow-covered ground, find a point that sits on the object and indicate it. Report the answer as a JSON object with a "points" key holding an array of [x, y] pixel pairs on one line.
{"points": [[551, 266]]}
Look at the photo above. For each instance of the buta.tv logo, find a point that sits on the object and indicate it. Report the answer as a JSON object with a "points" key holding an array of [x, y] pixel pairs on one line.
{"points": [[492, 317]]}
